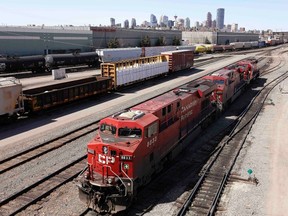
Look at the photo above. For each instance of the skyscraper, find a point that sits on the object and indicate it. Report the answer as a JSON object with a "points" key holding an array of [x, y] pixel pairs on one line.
{"points": [[220, 18], [126, 24], [187, 23], [214, 24], [112, 21], [163, 21], [133, 23], [234, 27], [153, 20], [209, 20]]}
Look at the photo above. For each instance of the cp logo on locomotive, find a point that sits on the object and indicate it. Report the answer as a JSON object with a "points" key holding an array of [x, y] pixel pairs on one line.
{"points": [[103, 159]]}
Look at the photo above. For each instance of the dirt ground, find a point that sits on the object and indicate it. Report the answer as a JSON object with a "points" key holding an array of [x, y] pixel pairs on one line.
{"points": [[265, 153]]}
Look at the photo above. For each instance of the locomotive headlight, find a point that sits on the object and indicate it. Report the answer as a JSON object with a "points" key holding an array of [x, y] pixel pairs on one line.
{"points": [[105, 149], [126, 166]]}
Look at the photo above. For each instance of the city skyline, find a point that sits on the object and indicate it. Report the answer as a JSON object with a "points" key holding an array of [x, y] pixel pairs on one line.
{"points": [[251, 15]]}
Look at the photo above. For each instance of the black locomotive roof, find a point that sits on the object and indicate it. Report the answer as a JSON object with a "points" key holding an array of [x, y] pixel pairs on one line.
{"points": [[206, 86]]}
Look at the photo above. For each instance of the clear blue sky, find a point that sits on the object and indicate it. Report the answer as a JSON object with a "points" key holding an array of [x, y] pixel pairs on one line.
{"points": [[251, 14]]}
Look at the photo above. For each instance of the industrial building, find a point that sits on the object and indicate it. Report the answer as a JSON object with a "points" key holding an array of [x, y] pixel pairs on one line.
{"points": [[217, 37], [40, 40], [131, 37]]}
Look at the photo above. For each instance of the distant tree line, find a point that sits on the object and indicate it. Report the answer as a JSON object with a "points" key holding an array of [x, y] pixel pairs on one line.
{"points": [[146, 42]]}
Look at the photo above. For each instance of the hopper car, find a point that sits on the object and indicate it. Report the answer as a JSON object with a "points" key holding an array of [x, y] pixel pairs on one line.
{"points": [[11, 104], [132, 145]]}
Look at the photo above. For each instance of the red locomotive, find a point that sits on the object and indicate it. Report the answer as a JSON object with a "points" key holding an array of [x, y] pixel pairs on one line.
{"points": [[231, 80], [133, 144]]}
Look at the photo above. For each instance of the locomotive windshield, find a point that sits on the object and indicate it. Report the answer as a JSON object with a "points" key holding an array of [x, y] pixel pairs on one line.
{"points": [[109, 129], [130, 132]]}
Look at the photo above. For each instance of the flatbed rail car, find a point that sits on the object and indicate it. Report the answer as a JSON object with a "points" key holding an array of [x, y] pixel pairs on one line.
{"points": [[135, 70], [45, 97]]}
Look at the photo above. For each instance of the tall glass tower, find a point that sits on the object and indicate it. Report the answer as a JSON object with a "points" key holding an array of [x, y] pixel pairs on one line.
{"points": [[220, 18]]}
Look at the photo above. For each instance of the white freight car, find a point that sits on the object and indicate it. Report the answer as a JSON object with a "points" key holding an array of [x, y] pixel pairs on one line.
{"points": [[118, 54], [10, 102]]}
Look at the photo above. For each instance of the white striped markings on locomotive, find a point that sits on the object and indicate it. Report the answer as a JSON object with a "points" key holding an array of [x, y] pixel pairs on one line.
{"points": [[151, 141], [105, 159], [188, 110], [186, 115]]}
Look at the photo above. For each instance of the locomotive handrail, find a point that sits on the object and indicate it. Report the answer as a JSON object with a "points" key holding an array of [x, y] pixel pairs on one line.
{"points": [[117, 177], [127, 177]]}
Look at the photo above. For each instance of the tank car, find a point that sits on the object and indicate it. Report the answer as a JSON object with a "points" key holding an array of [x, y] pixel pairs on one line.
{"points": [[209, 48], [227, 47], [53, 61], [200, 49], [133, 144], [23, 63], [217, 48], [237, 45]]}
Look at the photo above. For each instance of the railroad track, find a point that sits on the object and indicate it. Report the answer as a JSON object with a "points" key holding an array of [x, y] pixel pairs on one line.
{"points": [[280, 64], [44, 148], [163, 182], [31, 194], [204, 197], [43, 187], [210, 61]]}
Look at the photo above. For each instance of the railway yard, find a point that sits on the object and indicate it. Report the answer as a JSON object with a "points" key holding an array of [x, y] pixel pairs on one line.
{"points": [[237, 164]]}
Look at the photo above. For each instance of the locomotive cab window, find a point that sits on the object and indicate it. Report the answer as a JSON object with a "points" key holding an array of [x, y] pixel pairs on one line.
{"points": [[169, 108], [164, 111], [219, 82], [109, 129], [151, 130], [130, 132]]}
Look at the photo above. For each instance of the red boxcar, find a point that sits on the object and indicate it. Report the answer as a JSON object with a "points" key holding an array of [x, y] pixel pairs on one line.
{"points": [[179, 59]]}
